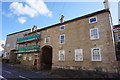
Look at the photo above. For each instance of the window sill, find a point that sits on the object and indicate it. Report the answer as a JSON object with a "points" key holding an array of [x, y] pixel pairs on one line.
{"points": [[78, 61], [94, 39], [96, 60], [61, 60]]}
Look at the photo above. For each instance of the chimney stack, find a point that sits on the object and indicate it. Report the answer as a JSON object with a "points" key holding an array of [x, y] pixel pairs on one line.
{"points": [[62, 19], [106, 4], [34, 28]]}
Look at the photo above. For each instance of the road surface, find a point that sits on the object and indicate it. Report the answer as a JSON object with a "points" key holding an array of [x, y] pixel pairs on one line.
{"points": [[10, 72]]}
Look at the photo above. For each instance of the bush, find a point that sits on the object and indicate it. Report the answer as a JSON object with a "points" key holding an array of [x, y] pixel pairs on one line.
{"points": [[17, 62], [5, 60], [118, 55]]}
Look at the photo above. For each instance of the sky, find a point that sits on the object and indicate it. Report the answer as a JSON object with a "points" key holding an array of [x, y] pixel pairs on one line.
{"points": [[18, 16]]}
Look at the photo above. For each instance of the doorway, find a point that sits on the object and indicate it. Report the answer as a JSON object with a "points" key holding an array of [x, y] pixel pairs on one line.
{"points": [[46, 57]]}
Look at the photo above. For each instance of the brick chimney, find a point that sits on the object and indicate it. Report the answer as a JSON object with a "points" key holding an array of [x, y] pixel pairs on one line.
{"points": [[62, 19]]}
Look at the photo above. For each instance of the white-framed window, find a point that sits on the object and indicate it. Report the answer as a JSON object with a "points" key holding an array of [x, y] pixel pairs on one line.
{"points": [[8, 45], [119, 37], [62, 39], [93, 19], [30, 58], [62, 27], [78, 55], [14, 44], [18, 56], [24, 33], [94, 33], [24, 57], [46, 40], [96, 54], [9, 37], [16, 35], [61, 55]]}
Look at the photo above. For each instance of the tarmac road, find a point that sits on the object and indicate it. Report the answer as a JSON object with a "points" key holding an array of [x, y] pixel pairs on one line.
{"points": [[12, 73]]}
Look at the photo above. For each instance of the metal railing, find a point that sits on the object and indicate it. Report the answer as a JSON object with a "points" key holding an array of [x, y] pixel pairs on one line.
{"points": [[28, 48], [27, 38]]}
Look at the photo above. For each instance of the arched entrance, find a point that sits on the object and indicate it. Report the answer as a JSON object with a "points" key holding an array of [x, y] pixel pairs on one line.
{"points": [[46, 57]]}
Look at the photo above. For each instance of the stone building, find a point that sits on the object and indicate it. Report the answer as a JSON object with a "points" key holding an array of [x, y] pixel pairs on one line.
{"points": [[10, 44], [83, 43], [116, 30]]}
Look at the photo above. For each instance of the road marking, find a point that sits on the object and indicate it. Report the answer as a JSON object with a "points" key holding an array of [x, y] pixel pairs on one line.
{"points": [[24, 77], [1, 77]]}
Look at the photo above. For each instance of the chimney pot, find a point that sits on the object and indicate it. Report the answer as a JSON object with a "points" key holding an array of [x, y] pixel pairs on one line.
{"points": [[62, 19], [34, 28], [106, 4]]}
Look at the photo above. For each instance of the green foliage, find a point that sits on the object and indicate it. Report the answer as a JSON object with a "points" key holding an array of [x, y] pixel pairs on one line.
{"points": [[5, 60], [118, 50], [17, 62], [118, 45]]}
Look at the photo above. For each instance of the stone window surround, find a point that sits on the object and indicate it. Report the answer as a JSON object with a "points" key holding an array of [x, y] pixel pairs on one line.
{"points": [[93, 38], [62, 39], [61, 52], [61, 27], [99, 54], [81, 53], [92, 18]]}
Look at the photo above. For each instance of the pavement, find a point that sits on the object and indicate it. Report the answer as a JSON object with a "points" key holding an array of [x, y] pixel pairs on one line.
{"points": [[10, 73]]}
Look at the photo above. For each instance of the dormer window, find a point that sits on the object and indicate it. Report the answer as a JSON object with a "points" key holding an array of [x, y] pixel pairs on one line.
{"points": [[62, 27], [92, 19]]}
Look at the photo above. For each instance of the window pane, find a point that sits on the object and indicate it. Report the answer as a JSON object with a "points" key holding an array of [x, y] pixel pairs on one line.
{"points": [[8, 45], [14, 44], [46, 40], [62, 27], [78, 55], [62, 41], [62, 37], [94, 34], [93, 20], [96, 54], [118, 36], [61, 55]]}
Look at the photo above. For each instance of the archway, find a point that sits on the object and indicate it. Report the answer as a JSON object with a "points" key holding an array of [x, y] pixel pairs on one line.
{"points": [[46, 57], [13, 56]]}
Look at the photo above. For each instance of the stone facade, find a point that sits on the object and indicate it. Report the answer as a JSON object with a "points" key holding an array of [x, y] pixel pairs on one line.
{"points": [[10, 45], [76, 36]]}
